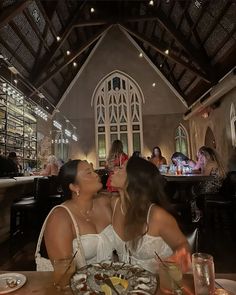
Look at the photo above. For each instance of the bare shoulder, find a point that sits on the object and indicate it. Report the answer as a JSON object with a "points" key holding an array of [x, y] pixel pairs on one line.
{"points": [[58, 217], [160, 215]]}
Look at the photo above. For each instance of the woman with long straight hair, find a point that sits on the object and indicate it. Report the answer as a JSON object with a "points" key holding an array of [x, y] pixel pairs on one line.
{"points": [[157, 158], [116, 158], [141, 221]]}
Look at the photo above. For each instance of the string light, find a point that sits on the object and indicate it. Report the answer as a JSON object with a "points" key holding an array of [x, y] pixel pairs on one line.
{"points": [[140, 54], [58, 38], [153, 84], [167, 51], [74, 64], [92, 10], [68, 52], [15, 81], [151, 2]]}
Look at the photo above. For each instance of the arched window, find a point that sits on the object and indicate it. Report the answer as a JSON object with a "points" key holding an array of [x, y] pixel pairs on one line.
{"points": [[118, 114], [181, 140], [233, 124]]}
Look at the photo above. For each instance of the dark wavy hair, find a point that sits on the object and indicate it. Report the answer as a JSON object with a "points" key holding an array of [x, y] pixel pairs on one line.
{"points": [[116, 149], [144, 186], [153, 154], [66, 176], [179, 156]]}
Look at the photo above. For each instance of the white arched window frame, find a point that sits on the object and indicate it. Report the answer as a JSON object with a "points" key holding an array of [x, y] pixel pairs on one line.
{"points": [[182, 144], [233, 124], [117, 102]]}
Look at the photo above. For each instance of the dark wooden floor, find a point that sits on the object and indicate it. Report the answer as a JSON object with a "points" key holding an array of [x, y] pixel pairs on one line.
{"points": [[18, 253]]}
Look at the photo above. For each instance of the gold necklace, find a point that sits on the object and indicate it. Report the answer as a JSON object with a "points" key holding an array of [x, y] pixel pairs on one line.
{"points": [[86, 215]]}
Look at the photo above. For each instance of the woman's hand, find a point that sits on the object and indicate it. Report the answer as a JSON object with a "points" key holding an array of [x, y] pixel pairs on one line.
{"points": [[182, 257]]}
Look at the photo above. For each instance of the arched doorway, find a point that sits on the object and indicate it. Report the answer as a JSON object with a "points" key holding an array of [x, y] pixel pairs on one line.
{"points": [[117, 102], [210, 138]]}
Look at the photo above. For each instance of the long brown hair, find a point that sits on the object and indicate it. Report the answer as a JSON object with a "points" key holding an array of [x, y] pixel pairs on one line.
{"points": [[116, 149], [159, 150], [144, 186], [211, 154]]}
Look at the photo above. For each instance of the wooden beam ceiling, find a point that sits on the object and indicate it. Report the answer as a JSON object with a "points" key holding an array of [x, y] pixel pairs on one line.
{"points": [[187, 46], [161, 49], [10, 12], [78, 52]]}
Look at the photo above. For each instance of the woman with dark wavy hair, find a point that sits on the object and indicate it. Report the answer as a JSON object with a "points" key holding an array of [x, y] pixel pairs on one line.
{"points": [[141, 222], [157, 158], [82, 224]]}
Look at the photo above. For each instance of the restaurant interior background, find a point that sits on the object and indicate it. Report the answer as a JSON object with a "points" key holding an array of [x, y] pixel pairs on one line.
{"points": [[151, 73]]}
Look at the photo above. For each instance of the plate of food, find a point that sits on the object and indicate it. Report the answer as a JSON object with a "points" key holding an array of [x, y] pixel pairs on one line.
{"points": [[113, 278], [10, 282]]}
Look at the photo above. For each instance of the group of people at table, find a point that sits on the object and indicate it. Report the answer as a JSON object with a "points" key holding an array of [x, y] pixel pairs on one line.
{"points": [[136, 220]]}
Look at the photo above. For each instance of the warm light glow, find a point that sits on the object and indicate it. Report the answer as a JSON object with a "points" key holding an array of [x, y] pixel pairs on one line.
{"points": [[140, 54], [151, 2], [167, 51], [57, 124], [153, 84], [67, 133], [161, 65], [74, 137], [58, 38], [92, 10], [15, 81], [41, 113], [75, 64], [68, 52]]}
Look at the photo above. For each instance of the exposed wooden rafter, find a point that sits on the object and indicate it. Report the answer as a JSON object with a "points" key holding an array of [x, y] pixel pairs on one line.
{"points": [[78, 52], [161, 49], [195, 55], [10, 12]]}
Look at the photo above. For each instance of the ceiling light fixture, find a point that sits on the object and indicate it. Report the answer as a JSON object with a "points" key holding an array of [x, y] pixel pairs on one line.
{"points": [[58, 38], [41, 113], [74, 64], [167, 51], [151, 2], [161, 65], [197, 3], [68, 52], [74, 137], [47, 107], [15, 81], [67, 133], [57, 124], [92, 10], [140, 54], [153, 84]]}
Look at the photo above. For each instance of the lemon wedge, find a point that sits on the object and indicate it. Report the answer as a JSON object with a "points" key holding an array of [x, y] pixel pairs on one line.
{"points": [[106, 289], [118, 281]]}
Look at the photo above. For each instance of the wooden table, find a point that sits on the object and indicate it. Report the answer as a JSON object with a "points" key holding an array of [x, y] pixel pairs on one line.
{"points": [[41, 283]]}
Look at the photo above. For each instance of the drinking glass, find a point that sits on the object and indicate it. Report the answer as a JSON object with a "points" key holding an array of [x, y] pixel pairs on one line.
{"points": [[170, 277], [63, 271], [203, 274]]}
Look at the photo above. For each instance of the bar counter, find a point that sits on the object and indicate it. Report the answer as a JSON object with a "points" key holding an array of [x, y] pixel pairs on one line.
{"points": [[10, 190]]}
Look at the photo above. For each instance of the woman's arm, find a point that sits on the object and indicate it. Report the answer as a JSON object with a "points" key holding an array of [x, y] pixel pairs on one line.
{"points": [[168, 229], [47, 170], [59, 235]]}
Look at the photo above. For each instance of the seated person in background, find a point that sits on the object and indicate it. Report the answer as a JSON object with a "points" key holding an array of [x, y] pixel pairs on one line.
{"points": [[141, 222], [7, 167], [13, 157], [136, 154], [81, 224], [182, 159], [52, 167], [210, 165], [116, 158], [157, 159]]}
